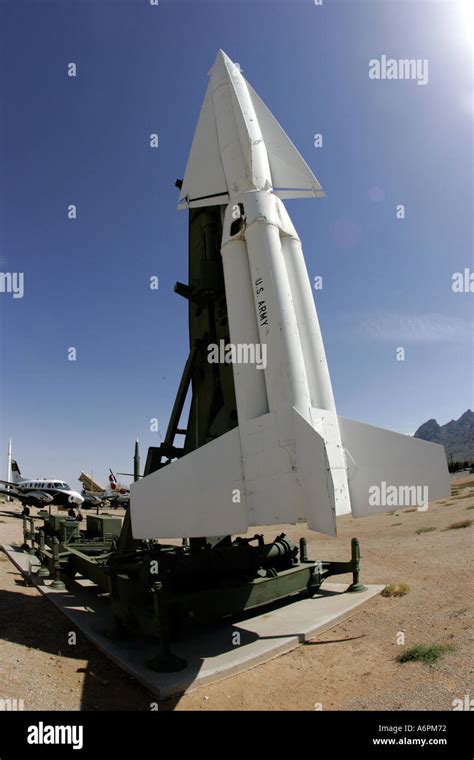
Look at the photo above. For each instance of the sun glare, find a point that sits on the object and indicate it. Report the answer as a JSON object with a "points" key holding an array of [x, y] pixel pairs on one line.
{"points": [[467, 18]]}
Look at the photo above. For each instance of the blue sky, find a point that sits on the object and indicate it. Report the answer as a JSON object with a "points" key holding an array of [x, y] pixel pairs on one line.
{"points": [[85, 140]]}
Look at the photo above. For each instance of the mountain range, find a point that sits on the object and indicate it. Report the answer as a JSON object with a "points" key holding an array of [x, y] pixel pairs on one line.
{"points": [[456, 436]]}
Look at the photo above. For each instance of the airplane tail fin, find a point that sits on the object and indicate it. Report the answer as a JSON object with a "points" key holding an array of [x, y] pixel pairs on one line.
{"points": [[112, 481], [16, 474]]}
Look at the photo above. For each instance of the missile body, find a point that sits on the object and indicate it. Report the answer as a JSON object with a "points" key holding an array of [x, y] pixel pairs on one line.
{"points": [[288, 459], [136, 462], [9, 465]]}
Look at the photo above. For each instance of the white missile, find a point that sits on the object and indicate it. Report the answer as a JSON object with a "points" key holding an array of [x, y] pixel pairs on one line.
{"points": [[9, 465], [291, 459]]}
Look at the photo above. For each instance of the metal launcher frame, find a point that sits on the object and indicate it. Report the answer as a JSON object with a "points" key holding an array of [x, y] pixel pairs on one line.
{"points": [[159, 589]]}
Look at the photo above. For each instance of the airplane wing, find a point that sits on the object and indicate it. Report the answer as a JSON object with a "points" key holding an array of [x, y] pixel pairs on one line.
{"points": [[42, 498], [93, 501], [9, 491], [26, 498]]}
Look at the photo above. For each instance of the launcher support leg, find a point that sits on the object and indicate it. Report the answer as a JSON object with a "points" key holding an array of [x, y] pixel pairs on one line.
{"points": [[356, 586], [25, 545], [165, 661], [303, 550], [32, 549], [57, 582], [43, 572]]}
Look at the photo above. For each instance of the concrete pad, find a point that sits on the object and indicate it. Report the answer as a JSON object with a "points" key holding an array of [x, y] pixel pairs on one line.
{"points": [[212, 653]]}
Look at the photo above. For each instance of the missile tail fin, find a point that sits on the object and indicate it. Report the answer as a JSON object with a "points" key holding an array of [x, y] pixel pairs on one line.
{"points": [[197, 495], [245, 477], [387, 470]]}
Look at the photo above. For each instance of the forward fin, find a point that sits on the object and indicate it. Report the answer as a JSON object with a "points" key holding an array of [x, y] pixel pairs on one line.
{"points": [[291, 175], [204, 182]]}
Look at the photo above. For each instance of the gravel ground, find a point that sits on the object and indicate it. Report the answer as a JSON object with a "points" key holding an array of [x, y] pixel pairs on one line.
{"points": [[349, 667]]}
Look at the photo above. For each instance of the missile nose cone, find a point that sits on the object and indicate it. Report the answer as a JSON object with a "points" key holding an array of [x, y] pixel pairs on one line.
{"points": [[239, 146], [223, 65], [222, 57]]}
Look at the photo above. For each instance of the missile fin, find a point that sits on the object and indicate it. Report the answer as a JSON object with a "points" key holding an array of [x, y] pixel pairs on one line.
{"points": [[315, 476], [275, 484], [204, 182], [375, 456], [291, 175], [290, 482], [196, 495]]}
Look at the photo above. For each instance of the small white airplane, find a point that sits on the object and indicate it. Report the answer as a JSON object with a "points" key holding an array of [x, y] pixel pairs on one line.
{"points": [[40, 492]]}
